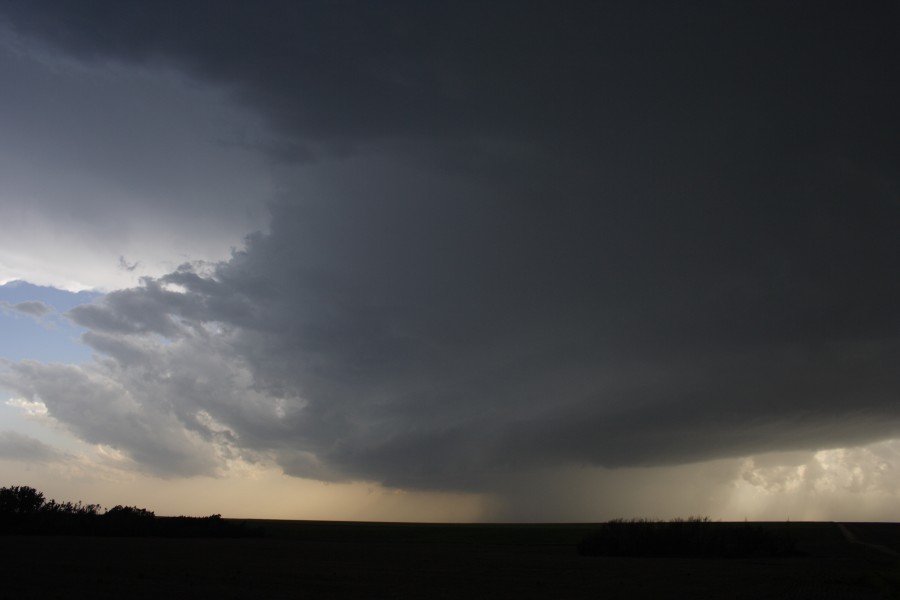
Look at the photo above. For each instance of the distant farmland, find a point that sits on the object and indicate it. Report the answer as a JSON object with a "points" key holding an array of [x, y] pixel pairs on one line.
{"points": [[306, 559]]}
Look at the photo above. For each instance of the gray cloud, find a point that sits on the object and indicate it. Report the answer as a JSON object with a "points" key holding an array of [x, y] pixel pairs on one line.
{"points": [[34, 308], [138, 163], [351, 72], [17, 446], [104, 407], [606, 236], [400, 353]]}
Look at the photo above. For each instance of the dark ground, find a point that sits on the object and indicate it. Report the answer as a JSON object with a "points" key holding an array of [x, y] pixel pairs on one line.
{"points": [[885, 534], [297, 559]]}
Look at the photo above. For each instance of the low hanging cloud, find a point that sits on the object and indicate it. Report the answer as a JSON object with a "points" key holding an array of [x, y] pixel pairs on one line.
{"points": [[20, 447], [485, 263], [101, 409]]}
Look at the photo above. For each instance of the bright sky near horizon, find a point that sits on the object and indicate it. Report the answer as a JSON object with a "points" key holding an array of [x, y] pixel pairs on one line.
{"points": [[451, 261]]}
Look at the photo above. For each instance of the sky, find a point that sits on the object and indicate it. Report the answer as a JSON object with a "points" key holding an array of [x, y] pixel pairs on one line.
{"points": [[452, 261]]}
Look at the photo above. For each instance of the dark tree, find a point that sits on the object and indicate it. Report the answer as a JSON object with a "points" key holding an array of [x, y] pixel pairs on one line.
{"points": [[128, 513], [23, 511], [20, 500]]}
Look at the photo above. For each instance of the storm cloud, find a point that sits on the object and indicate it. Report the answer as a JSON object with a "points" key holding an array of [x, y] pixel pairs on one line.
{"points": [[511, 236]]}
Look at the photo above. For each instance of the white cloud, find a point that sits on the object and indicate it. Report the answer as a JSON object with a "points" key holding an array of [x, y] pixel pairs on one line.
{"points": [[32, 408]]}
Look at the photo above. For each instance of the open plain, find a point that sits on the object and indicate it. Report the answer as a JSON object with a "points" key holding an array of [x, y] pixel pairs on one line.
{"points": [[300, 559]]}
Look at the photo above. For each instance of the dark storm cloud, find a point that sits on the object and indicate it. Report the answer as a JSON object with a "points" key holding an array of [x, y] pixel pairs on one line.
{"points": [[614, 234], [353, 71]]}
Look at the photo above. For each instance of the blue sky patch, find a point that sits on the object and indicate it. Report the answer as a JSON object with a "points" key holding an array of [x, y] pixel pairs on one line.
{"points": [[26, 333]]}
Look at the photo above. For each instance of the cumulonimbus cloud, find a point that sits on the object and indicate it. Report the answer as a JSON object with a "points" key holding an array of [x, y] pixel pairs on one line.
{"points": [[505, 261], [373, 357]]}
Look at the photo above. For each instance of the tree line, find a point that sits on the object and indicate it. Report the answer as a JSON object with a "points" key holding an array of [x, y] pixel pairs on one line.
{"points": [[695, 536], [25, 511]]}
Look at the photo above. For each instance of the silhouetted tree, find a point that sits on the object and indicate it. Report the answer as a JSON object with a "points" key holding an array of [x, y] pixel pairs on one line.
{"points": [[53, 507], [696, 536], [20, 500], [23, 510], [130, 513]]}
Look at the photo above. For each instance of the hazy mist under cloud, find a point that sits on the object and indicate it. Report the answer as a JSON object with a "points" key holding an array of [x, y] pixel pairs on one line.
{"points": [[509, 237]]}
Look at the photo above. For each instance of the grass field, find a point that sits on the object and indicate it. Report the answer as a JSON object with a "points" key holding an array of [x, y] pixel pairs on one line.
{"points": [[300, 559]]}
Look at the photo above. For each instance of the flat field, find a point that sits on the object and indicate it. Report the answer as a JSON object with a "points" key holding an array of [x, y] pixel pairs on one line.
{"points": [[304, 559]]}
